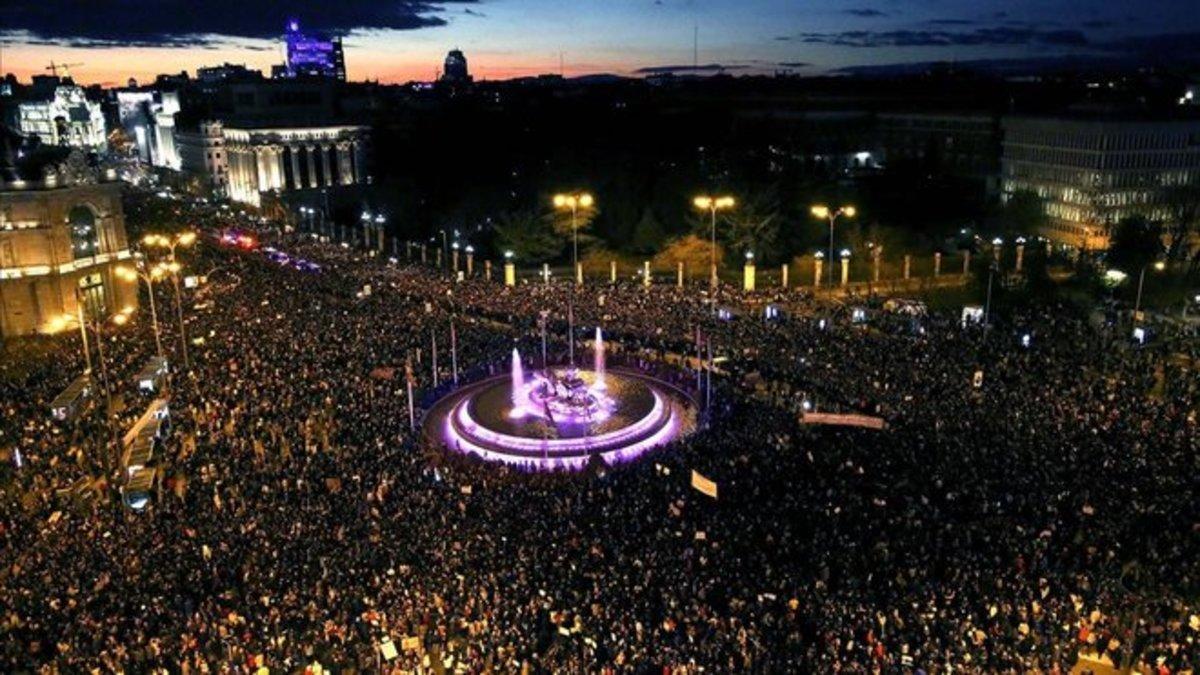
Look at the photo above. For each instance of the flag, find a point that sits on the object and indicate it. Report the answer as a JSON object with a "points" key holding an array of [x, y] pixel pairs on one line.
{"points": [[703, 484]]}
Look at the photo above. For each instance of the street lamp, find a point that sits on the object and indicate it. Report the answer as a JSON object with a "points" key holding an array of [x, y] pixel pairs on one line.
{"points": [[824, 212], [712, 205], [96, 326], [148, 275], [574, 201], [184, 239], [1137, 305]]}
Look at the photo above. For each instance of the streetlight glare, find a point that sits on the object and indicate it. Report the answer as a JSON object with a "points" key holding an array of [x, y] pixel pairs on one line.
{"points": [[1160, 265], [845, 253], [586, 200], [560, 201], [702, 202], [820, 211], [849, 211], [187, 238]]}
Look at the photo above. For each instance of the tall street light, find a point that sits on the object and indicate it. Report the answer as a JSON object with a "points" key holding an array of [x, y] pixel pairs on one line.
{"points": [[171, 243], [573, 202], [712, 205], [1137, 305], [148, 275], [824, 212], [96, 325]]}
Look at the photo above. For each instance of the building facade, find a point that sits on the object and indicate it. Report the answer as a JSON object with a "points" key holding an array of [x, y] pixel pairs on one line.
{"points": [[964, 144], [148, 118], [202, 154], [65, 117], [1092, 173], [313, 55], [289, 159], [61, 239]]}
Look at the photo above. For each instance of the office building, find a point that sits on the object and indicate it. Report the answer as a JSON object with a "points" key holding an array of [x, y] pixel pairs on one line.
{"points": [[313, 55], [1092, 172]]}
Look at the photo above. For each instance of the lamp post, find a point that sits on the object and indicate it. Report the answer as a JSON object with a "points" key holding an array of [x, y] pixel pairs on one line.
{"points": [[712, 205], [96, 326], [573, 202], [824, 212], [149, 276], [170, 243], [1137, 305]]}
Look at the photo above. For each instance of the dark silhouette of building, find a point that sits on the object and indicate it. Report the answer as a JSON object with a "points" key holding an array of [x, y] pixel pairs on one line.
{"points": [[455, 71]]}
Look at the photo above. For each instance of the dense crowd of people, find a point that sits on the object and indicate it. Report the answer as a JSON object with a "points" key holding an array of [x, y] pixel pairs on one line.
{"points": [[1003, 522]]}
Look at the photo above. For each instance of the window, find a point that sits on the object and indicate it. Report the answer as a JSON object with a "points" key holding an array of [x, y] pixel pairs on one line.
{"points": [[85, 241], [91, 293]]}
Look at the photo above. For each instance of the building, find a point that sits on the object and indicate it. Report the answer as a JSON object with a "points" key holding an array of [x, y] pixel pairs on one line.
{"points": [[313, 55], [455, 70], [59, 113], [148, 118], [962, 144], [1092, 172], [202, 154], [62, 234], [294, 158], [227, 72]]}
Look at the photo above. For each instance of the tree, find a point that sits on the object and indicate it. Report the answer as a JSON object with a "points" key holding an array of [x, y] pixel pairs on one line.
{"points": [[529, 235], [648, 236], [1183, 201], [752, 225], [1135, 243], [1023, 214], [692, 250]]}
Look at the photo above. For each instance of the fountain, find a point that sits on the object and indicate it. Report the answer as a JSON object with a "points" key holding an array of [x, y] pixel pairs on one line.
{"points": [[562, 418], [518, 381], [598, 358]]}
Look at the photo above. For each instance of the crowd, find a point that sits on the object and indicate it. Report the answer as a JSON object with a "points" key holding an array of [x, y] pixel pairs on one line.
{"points": [[1005, 527]]}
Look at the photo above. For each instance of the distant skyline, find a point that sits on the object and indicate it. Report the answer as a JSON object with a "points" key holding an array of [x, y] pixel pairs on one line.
{"points": [[401, 40]]}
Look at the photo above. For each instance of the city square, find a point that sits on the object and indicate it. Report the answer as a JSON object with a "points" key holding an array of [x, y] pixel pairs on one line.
{"points": [[317, 373]]}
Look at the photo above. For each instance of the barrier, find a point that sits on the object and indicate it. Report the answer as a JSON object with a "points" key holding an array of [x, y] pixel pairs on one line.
{"points": [[848, 420]]}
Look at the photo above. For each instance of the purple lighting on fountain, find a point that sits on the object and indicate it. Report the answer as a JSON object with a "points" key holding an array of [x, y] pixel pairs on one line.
{"points": [[518, 381], [599, 359]]}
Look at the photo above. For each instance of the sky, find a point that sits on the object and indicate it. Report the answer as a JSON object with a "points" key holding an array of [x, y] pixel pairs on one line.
{"points": [[402, 40]]}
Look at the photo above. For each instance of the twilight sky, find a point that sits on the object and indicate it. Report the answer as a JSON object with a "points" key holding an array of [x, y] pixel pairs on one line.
{"points": [[400, 40]]}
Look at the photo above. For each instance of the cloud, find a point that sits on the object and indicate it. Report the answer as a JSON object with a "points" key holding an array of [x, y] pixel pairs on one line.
{"points": [[951, 22], [946, 38], [702, 68], [794, 64], [865, 12], [193, 23]]}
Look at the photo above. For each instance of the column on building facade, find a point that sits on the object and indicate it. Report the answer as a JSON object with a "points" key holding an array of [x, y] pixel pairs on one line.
{"points": [[312, 166], [275, 167], [328, 177], [345, 165], [297, 181], [360, 173], [260, 167]]}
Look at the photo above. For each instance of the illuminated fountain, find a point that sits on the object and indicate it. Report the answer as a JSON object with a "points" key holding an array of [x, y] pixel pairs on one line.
{"points": [[562, 418]]}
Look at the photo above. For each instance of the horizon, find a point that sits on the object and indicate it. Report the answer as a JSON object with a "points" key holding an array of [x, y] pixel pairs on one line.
{"points": [[506, 39]]}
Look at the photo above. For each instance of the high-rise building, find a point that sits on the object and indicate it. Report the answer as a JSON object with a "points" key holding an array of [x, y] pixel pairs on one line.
{"points": [[313, 55], [1092, 172], [455, 70]]}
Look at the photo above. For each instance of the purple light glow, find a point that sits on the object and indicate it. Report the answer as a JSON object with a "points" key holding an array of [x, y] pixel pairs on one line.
{"points": [[562, 404]]}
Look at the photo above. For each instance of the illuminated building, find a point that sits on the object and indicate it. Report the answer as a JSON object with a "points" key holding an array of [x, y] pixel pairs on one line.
{"points": [[313, 55], [62, 115], [62, 234], [1092, 173], [202, 154], [148, 117], [285, 158]]}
